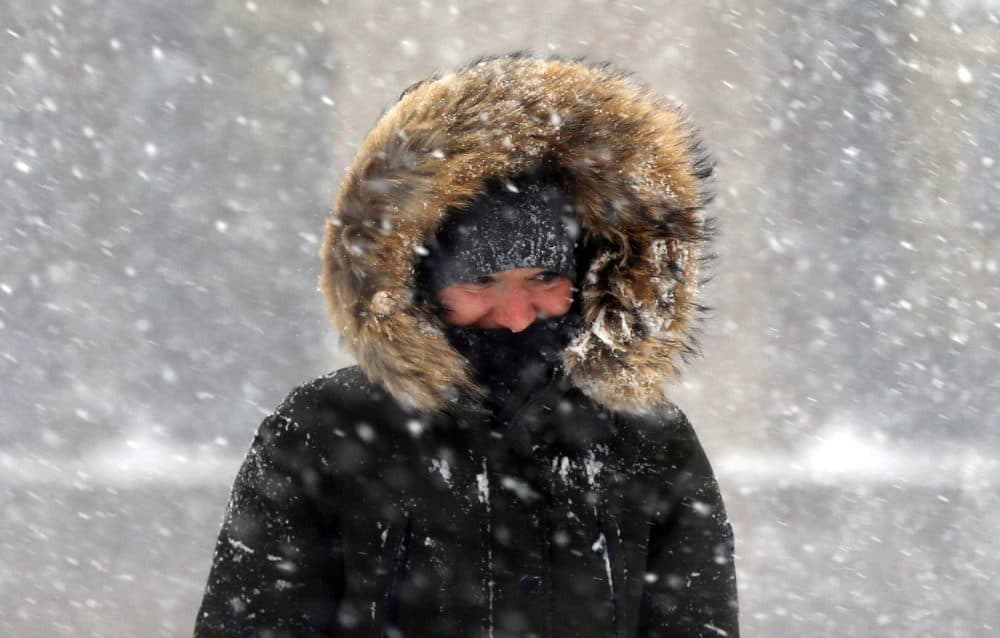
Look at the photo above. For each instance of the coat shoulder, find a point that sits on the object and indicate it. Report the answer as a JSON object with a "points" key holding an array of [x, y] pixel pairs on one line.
{"points": [[661, 440], [341, 395], [339, 420], [663, 426]]}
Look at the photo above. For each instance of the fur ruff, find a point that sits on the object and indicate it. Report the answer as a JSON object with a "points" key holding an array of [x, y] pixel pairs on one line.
{"points": [[636, 168]]}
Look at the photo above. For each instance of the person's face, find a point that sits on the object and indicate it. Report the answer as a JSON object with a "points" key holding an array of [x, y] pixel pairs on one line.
{"points": [[510, 299]]}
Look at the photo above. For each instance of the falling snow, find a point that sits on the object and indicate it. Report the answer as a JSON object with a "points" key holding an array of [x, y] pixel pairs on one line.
{"points": [[166, 178]]}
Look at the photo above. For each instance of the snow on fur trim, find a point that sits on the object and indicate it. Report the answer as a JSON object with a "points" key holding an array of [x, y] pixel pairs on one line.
{"points": [[638, 173]]}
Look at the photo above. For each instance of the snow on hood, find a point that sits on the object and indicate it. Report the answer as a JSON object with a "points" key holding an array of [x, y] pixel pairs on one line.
{"points": [[636, 170]]}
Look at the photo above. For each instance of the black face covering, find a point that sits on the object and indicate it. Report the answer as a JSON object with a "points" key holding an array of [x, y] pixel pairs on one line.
{"points": [[510, 365], [532, 225]]}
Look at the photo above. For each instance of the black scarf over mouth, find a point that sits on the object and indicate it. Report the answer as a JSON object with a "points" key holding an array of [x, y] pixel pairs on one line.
{"points": [[514, 369], [508, 365]]}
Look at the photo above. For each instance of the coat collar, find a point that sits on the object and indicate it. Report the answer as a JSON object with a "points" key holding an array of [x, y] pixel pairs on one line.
{"points": [[553, 418]]}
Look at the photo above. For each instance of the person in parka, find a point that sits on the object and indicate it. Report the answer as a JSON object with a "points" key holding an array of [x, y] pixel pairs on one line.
{"points": [[516, 471]]}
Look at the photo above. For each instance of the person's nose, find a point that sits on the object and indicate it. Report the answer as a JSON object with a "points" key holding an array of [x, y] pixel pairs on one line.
{"points": [[515, 310]]}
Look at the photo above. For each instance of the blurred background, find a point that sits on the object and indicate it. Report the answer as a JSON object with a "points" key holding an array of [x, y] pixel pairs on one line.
{"points": [[166, 169]]}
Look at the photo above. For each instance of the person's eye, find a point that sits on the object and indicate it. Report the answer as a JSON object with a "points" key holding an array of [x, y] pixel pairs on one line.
{"points": [[547, 276], [480, 281]]}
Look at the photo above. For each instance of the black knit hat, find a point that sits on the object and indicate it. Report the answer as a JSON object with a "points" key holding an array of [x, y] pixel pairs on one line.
{"points": [[507, 226]]}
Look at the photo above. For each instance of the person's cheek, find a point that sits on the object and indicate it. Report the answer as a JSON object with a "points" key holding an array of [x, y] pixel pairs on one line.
{"points": [[466, 308], [566, 294], [476, 309], [554, 302]]}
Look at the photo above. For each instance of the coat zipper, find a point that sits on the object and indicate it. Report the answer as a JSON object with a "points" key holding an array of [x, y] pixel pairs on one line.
{"points": [[483, 489], [400, 556]]}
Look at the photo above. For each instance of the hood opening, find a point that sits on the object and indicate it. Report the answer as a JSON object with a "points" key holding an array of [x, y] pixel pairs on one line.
{"points": [[631, 160]]}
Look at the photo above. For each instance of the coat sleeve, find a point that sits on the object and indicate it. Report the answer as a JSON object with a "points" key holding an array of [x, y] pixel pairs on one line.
{"points": [[278, 568], [690, 580]]}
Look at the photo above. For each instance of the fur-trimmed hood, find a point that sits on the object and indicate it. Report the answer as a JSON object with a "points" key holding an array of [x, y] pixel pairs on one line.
{"points": [[635, 168]]}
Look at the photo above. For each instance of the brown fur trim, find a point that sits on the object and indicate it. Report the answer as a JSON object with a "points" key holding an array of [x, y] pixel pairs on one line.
{"points": [[635, 167]]}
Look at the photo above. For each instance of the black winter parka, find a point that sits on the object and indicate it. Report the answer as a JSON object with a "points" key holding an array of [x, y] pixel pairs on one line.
{"points": [[383, 500], [354, 517]]}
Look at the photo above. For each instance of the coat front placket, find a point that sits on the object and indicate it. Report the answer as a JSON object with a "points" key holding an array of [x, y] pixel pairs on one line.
{"points": [[515, 542], [584, 564], [445, 590], [560, 567]]}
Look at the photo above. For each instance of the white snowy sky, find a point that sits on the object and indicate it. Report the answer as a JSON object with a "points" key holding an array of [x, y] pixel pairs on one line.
{"points": [[165, 170]]}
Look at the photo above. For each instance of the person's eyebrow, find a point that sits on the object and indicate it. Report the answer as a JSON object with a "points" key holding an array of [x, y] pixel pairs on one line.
{"points": [[480, 279], [550, 273]]}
